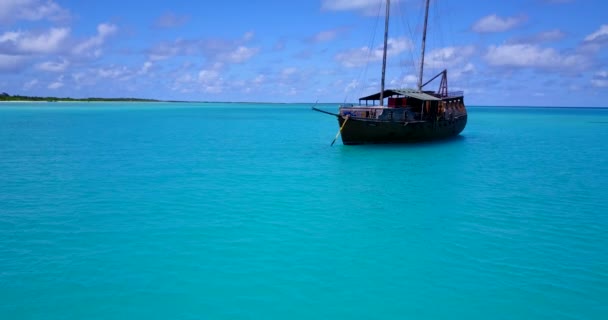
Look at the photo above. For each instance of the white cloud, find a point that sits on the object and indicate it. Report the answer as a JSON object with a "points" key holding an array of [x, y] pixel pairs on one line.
{"points": [[46, 42], [171, 20], [325, 36], [601, 35], [211, 79], [32, 10], [291, 92], [77, 76], [121, 73], [27, 43], [91, 46], [459, 72], [600, 83], [30, 84], [10, 36], [347, 5], [91, 78], [56, 84], [207, 76], [287, 72], [408, 81], [165, 51], [185, 78], [353, 85], [600, 79], [533, 56], [449, 56], [53, 66], [551, 35], [546, 36], [212, 50], [361, 56], [146, 67], [248, 36], [494, 23], [259, 79], [241, 54], [11, 62], [355, 58]]}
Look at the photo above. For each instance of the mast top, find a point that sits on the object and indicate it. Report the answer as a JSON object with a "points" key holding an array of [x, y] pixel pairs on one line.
{"points": [[426, 18], [388, 8]]}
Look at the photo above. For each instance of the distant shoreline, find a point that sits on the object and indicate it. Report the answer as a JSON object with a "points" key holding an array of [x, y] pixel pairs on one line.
{"points": [[4, 98], [75, 101], [96, 100], [8, 98], [40, 100]]}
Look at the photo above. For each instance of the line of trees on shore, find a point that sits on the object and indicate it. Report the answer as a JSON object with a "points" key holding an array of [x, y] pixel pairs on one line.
{"points": [[7, 97]]}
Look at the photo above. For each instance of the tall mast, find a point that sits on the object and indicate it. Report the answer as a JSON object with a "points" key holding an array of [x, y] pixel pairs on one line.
{"points": [[426, 18], [388, 8]]}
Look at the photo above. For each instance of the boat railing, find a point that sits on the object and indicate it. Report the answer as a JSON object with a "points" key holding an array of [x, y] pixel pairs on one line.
{"points": [[453, 94]]}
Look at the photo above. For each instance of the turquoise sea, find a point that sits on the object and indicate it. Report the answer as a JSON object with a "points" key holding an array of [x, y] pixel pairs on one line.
{"points": [[244, 211]]}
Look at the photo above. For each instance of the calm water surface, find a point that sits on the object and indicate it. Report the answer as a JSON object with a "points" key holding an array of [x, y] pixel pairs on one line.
{"points": [[237, 211]]}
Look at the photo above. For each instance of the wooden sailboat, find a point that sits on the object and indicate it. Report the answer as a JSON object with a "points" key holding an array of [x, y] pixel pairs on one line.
{"points": [[410, 115]]}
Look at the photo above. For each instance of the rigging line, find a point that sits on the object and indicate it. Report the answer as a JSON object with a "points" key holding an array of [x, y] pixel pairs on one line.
{"points": [[415, 39], [384, 49], [447, 13], [412, 59], [402, 34], [423, 47], [440, 43], [450, 20], [444, 48], [363, 73], [431, 42]]}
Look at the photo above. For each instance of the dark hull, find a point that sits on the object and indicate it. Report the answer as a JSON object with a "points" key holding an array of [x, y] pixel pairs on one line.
{"points": [[370, 131]]}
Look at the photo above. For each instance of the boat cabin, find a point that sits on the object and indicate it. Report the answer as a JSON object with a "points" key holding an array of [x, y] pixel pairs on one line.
{"points": [[400, 98], [406, 105]]}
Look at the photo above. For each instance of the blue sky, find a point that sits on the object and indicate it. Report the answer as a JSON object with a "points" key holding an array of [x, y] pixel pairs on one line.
{"points": [[510, 52]]}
